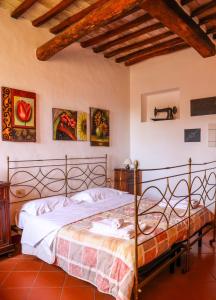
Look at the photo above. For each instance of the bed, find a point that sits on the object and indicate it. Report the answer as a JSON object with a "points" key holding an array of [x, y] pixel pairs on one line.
{"points": [[174, 208]]}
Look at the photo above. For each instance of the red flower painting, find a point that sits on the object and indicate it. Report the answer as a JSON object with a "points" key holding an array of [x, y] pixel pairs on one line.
{"points": [[24, 111]]}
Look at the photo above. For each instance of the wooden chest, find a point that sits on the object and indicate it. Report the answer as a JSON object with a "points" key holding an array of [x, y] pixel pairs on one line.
{"points": [[5, 232], [124, 180]]}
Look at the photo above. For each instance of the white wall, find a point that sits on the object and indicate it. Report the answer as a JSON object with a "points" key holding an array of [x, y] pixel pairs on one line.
{"points": [[74, 79], [157, 144]]}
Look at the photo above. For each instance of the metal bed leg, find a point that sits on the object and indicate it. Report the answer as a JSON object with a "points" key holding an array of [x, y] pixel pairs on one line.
{"points": [[178, 261], [200, 238], [213, 240], [172, 265]]}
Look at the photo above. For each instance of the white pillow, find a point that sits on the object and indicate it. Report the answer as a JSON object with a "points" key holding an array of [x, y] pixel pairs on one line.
{"points": [[45, 205], [96, 194]]}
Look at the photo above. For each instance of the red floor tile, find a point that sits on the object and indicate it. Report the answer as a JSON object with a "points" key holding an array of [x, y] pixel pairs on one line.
{"points": [[3, 275], [45, 294], [7, 265], [20, 279], [71, 281], [50, 268], [50, 279], [28, 265], [101, 296], [77, 293], [14, 294]]}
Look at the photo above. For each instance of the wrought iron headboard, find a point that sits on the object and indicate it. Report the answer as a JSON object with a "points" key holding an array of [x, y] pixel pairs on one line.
{"points": [[33, 179]]}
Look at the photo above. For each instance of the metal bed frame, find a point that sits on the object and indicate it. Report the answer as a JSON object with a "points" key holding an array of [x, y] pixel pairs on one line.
{"points": [[65, 176], [58, 176], [199, 183]]}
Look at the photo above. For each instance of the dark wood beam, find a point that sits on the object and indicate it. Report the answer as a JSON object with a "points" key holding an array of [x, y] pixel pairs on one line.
{"points": [[148, 50], [138, 44], [128, 37], [207, 19], [110, 10], [184, 26], [22, 8], [83, 13], [156, 53], [203, 8], [184, 2], [100, 38], [58, 8]]}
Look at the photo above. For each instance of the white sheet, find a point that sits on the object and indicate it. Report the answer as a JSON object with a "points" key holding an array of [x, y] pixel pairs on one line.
{"points": [[40, 231], [21, 219]]}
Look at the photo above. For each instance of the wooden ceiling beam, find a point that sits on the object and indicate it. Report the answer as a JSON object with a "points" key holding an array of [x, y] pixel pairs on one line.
{"points": [[62, 5], [83, 13], [110, 10], [207, 19], [184, 26], [203, 8], [22, 8], [76, 17], [128, 37], [184, 2], [118, 30], [139, 44], [148, 50], [141, 58]]}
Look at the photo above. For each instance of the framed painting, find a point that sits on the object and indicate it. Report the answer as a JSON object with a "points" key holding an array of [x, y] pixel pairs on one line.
{"points": [[192, 135], [64, 124], [99, 127], [18, 115], [82, 134]]}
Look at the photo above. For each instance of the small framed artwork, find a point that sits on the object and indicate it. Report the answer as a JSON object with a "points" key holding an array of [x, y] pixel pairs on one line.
{"points": [[192, 135], [64, 124], [82, 126], [99, 127], [18, 115]]}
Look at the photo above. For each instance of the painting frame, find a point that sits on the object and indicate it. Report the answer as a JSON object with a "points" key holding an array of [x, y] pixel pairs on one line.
{"points": [[18, 121], [64, 124], [25, 95], [99, 127]]}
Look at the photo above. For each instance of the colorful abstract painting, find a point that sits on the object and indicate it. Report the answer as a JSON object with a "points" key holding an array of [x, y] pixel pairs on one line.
{"points": [[64, 124], [82, 126], [99, 120], [18, 115]]}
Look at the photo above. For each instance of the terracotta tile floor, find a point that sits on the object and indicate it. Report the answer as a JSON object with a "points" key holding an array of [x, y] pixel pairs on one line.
{"points": [[27, 278]]}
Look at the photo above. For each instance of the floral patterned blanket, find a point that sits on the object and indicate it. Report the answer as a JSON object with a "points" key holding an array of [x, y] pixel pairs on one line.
{"points": [[107, 262]]}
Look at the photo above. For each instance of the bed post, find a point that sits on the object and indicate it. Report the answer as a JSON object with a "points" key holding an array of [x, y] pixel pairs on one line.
{"points": [[189, 217], [66, 175], [8, 175], [214, 221], [136, 296], [106, 171]]}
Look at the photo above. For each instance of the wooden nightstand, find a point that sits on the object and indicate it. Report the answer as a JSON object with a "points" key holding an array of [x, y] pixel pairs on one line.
{"points": [[124, 180], [5, 232]]}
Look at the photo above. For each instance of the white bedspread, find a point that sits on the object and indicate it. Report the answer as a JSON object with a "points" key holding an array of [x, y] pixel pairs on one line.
{"points": [[40, 231]]}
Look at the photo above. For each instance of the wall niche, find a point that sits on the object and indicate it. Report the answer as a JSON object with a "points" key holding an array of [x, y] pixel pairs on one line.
{"points": [[160, 99]]}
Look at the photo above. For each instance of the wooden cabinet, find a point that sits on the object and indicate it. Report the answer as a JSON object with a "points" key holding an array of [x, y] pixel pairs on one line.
{"points": [[5, 233], [124, 180]]}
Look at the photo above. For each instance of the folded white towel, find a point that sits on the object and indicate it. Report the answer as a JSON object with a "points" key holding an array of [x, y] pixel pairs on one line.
{"points": [[127, 230], [181, 205], [114, 223]]}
